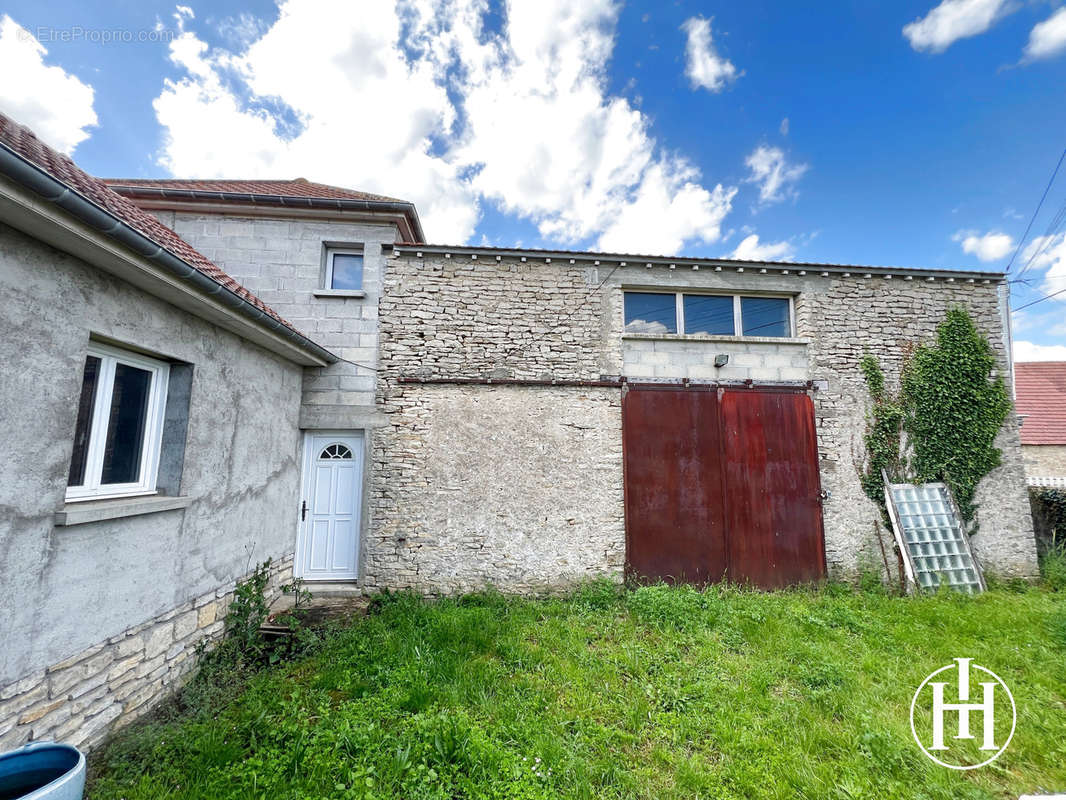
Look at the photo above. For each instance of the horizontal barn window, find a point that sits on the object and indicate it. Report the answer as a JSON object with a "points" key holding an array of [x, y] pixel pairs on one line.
{"points": [[119, 424], [708, 314]]}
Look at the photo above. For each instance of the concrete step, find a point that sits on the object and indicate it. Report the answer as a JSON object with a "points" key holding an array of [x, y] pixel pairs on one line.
{"points": [[324, 589]]}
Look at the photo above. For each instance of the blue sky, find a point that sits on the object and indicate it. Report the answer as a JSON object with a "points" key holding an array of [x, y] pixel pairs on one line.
{"points": [[903, 133]]}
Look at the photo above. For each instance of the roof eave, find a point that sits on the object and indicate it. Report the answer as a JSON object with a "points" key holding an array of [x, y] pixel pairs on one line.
{"points": [[718, 264], [163, 198], [31, 177]]}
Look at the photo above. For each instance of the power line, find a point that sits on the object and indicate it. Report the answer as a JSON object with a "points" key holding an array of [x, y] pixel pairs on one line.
{"points": [[356, 364], [1040, 300], [1038, 206], [1052, 231]]}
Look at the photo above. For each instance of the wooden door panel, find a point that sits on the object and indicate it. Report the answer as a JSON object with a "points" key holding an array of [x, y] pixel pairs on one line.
{"points": [[674, 504], [773, 510]]}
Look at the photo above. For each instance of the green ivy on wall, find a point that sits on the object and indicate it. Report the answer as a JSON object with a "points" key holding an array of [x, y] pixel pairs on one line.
{"points": [[883, 433], [948, 412]]}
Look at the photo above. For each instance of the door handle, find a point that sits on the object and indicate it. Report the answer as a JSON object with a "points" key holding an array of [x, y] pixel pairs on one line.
{"points": [[303, 511]]}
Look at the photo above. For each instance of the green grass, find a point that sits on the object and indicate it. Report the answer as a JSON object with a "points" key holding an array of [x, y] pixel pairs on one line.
{"points": [[657, 693]]}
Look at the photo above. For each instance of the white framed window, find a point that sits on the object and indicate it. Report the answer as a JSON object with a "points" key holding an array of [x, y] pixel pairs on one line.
{"points": [[707, 314], [344, 269], [119, 424]]}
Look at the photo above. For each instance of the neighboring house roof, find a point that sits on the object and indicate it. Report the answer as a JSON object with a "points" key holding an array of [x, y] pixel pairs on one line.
{"points": [[21, 142], [298, 193], [1040, 389]]}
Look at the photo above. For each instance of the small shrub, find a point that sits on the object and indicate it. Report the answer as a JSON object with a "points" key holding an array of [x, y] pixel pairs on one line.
{"points": [[247, 612], [871, 581], [1053, 566]]}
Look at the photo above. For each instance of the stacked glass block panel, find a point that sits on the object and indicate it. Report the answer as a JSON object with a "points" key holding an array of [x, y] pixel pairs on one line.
{"points": [[936, 543]]}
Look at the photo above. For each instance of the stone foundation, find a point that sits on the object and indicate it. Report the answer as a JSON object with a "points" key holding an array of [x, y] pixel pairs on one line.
{"points": [[82, 699]]}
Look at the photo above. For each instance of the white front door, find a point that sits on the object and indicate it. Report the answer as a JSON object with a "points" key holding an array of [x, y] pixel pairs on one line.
{"points": [[327, 546]]}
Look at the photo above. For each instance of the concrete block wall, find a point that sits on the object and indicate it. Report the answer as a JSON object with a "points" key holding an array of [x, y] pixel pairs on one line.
{"points": [[457, 317], [83, 699], [281, 261], [1045, 460], [755, 358]]}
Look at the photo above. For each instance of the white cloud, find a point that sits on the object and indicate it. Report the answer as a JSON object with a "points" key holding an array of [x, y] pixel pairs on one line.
{"points": [[751, 249], [350, 110], [953, 20], [1029, 351], [1047, 38], [669, 208], [53, 103], [991, 246], [776, 177], [784, 127], [1048, 253], [703, 66], [416, 99]]}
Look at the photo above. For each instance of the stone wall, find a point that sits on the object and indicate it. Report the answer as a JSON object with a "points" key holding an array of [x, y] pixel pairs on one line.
{"points": [[528, 320], [847, 317], [549, 319], [1045, 460], [84, 698], [511, 486]]}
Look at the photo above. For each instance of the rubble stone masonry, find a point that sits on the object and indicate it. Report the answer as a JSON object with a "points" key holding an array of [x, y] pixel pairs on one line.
{"points": [[522, 486]]}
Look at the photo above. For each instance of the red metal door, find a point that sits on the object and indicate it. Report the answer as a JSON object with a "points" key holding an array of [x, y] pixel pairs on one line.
{"points": [[673, 480], [773, 513], [722, 484]]}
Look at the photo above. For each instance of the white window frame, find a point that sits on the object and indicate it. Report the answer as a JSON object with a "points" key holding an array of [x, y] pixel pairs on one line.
{"points": [[343, 251], [110, 357], [738, 322]]}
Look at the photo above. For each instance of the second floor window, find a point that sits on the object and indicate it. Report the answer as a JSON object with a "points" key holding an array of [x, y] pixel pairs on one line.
{"points": [[708, 314], [344, 269]]}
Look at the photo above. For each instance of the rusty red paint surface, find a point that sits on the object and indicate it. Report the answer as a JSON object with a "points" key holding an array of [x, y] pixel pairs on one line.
{"points": [[674, 485], [722, 483]]}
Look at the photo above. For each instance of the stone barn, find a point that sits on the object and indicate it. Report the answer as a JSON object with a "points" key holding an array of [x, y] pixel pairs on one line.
{"points": [[200, 375], [554, 416]]}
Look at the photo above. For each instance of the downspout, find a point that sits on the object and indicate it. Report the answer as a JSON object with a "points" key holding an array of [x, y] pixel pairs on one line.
{"points": [[32, 177], [1008, 334]]}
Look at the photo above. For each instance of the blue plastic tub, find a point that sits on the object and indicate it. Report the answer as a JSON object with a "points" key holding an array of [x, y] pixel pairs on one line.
{"points": [[42, 771]]}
